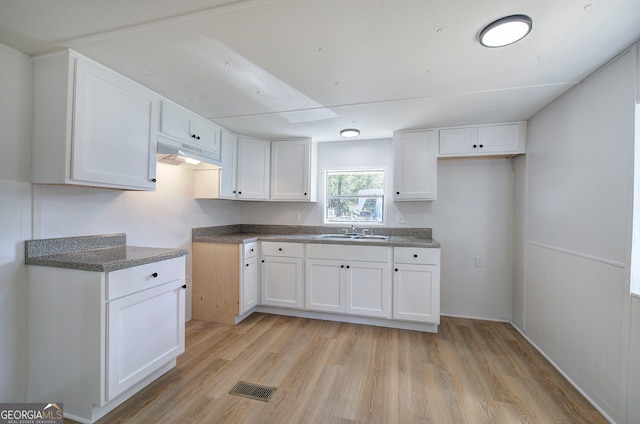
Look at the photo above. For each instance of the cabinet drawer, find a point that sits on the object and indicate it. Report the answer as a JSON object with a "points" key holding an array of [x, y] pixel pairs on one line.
{"points": [[349, 252], [250, 250], [289, 250], [131, 280], [417, 255]]}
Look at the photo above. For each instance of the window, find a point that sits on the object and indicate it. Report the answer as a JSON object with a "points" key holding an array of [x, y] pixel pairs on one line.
{"points": [[354, 196]]}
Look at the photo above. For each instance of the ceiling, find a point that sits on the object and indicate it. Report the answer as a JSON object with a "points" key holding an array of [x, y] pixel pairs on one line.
{"points": [[288, 68]]}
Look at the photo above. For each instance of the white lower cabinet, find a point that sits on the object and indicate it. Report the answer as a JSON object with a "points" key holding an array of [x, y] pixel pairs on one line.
{"points": [[324, 285], [145, 330], [281, 274], [354, 280], [225, 280], [95, 338], [249, 288], [416, 284], [368, 289]]}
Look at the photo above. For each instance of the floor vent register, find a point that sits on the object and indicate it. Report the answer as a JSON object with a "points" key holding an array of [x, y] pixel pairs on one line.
{"points": [[253, 391]]}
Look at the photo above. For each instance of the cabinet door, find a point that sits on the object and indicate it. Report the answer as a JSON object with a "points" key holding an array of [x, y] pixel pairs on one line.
{"points": [[249, 285], [175, 121], [253, 168], [416, 293], [281, 282], [207, 135], [290, 169], [324, 285], [114, 130], [145, 330], [458, 141], [415, 163], [228, 157], [368, 289], [498, 139]]}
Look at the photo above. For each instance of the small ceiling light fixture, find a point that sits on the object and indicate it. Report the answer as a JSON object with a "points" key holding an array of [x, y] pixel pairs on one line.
{"points": [[350, 132], [505, 31]]}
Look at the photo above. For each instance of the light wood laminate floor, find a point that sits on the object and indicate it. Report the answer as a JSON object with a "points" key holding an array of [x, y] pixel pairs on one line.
{"points": [[328, 372]]}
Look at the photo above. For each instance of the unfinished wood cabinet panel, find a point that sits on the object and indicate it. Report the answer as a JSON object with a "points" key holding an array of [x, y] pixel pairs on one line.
{"points": [[216, 279]]}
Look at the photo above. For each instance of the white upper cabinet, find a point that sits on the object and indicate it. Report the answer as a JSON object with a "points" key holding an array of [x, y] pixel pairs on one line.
{"points": [[504, 139], [293, 175], [253, 168], [229, 159], [415, 164], [187, 127], [92, 126]]}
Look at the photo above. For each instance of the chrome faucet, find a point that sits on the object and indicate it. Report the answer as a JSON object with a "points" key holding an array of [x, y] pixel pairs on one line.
{"points": [[353, 231]]}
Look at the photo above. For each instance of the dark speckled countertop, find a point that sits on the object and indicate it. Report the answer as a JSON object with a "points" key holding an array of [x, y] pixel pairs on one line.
{"points": [[239, 234], [100, 253]]}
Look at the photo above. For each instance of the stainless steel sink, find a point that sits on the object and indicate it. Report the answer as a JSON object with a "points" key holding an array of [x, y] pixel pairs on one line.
{"points": [[373, 237], [335, 236], [352, 237]]}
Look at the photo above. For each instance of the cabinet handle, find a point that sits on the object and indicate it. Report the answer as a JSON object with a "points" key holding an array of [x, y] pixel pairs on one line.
{"points": [[280, 249], [305, 194], [347, 266], [184, 286], [247, 265], [397, 192], [252, 250], [239, 192], [415, 256], [234, 192], [396, 269], [193, 136], [341, 266], [262, 261], [475, 145], [153, 180], [481, 146], [154, 275]]}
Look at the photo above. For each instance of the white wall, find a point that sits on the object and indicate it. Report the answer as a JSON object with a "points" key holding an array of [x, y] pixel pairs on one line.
{"points": [[160, 218], [472, 216], [578, 215], [15, 217]]}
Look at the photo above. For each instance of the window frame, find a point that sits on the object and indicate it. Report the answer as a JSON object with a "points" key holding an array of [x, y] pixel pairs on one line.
{"points": [[385, 196]]}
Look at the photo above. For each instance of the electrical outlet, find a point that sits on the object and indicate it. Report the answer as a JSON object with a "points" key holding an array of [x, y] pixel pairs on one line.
{"points": [[479, 261], [402, 219]]}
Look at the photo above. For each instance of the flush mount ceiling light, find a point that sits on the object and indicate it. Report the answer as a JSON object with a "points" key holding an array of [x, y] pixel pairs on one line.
{"points": [[505, 31], [350, 132]]}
